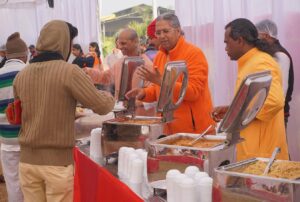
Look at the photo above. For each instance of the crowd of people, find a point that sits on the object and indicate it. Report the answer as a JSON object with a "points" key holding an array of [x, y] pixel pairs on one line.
{"points": [[36, 155]]}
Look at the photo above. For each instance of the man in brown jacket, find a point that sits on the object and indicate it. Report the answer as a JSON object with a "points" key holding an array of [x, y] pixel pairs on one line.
{"points": [[49, 89]]}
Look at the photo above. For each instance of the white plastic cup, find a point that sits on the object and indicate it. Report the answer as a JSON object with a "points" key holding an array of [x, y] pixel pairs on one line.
{"points": [[121, 161], [136, 170], [190, 171], [95, 147], [206, 166], [204, 188], [136, 187], [197, 178], [187, 190], [177, 190], [170, 181], [126, 164], [143, 155], [132, 156], [200, 175]]}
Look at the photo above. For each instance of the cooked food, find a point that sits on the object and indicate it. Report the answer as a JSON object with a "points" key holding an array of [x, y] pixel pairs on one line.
{"points": [[79, 110], [284, 169], [143, 121], [185, 141], [128, 120]]}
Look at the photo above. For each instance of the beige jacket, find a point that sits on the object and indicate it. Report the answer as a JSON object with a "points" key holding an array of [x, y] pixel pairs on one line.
{"points": [[49, 91]]}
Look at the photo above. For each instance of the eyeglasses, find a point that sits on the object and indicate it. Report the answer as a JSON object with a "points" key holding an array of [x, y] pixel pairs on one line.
{"points": [[165, 31]]}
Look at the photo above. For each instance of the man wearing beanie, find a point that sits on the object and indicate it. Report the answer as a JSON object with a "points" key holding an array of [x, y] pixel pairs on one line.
{"points": [[153, 42], [49, 89], [2, 55], [10, 149]]}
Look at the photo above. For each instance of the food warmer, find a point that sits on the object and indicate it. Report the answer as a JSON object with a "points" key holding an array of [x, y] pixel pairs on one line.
{"points": [[245, 181], [129, 130], [212, 151]]}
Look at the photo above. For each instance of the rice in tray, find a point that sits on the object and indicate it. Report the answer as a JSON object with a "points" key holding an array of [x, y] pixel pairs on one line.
{"points": [[283, 169]]}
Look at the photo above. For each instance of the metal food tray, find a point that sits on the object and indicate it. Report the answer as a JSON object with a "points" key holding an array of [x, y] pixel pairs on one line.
{"points": [[118, 121], [179, 157], [222, 137], [117, 134], [231, 184]]}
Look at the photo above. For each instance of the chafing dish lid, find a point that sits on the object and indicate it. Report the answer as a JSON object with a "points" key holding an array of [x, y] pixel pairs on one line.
{"points": [[129, 67], [171, 73], [247, 102]]}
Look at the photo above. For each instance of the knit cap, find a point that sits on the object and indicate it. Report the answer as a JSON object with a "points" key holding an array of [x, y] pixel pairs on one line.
{"points": [[15, 46], [2, 47], [151, 29]]}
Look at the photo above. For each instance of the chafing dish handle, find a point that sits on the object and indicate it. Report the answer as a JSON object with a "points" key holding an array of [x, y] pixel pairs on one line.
{"points": [[182, 90]]}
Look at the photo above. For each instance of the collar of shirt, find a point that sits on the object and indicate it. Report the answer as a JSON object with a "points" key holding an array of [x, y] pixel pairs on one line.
{"points": [[242, 60], [10, 61], [177, 50]]}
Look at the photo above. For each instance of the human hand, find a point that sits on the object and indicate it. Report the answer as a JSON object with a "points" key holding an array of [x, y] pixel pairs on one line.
{"points": [[138, 93], [218, 113], [85, 69], [87, 55], [149, 75], [79, 112]]}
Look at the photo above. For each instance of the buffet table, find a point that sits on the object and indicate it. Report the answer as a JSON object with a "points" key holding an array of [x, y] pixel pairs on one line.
{"points": [[94, 183]]}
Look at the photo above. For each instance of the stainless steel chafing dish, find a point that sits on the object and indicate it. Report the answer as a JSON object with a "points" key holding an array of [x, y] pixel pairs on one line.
{"points": [[134, 131], [232, 185], [243, 109]]}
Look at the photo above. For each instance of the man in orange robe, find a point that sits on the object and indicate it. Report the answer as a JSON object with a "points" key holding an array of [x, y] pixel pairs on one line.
{"points": [[193, 114], [267, 130]]}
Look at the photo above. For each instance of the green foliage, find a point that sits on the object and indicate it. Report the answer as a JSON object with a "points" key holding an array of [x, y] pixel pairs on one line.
{"points": [[108, 45], [140, 28]]}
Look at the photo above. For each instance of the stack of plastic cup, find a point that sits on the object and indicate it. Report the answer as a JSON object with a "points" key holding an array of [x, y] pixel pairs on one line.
{"points": [[127, 154], [187, 190], [197, 177], [170, 181], [147, 190], [132, 169], [204, 187], [121, 162], [191, 171], [192, 186], [136, 175], [177, 190], [95, 147]]}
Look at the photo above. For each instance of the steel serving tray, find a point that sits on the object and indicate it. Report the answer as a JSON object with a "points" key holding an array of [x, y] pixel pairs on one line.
{"points": [[179, 157], [231, 184]]}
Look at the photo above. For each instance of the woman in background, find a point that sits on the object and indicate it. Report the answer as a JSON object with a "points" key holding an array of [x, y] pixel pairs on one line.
{"points": [[80, 59], [94, 52]]}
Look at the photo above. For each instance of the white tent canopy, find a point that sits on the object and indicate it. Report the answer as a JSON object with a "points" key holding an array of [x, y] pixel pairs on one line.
{"points": [[29, 16]]}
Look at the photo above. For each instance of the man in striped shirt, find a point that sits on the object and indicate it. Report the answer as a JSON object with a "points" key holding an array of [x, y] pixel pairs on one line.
{"points": [[10, 149]]}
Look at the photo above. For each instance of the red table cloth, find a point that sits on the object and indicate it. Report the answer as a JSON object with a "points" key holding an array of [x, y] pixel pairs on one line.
{"points": [[93, 183]]}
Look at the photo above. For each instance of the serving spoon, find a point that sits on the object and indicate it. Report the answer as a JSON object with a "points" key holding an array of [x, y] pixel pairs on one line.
{"points": [[275, 152], [200, 136]]}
